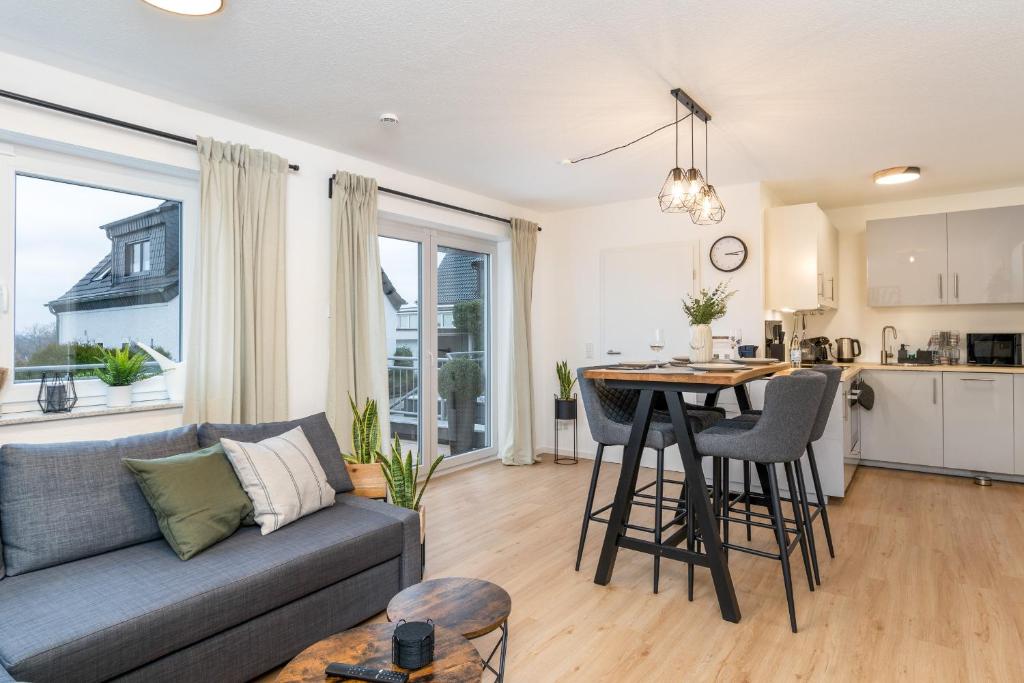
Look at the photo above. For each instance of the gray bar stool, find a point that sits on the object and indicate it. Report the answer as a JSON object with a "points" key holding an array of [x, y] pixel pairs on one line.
{"points": [[610, 417], [778, 438], [833, 377]]}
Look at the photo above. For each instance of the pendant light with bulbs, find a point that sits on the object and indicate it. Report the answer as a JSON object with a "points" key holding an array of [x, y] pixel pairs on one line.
{"points": [[708, 208], [673, 190], [687, 191]]}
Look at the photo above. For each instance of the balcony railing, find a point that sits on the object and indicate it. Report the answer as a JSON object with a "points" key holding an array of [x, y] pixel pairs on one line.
{"points": [[27, 373]]}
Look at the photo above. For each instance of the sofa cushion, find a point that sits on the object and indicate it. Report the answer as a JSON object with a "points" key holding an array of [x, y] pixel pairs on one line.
{"points": [[65, 501], [103, 616], [316, 428], [195, 496]]}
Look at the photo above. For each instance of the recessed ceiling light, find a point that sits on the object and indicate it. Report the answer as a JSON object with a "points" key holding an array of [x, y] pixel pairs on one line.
{"points": [[192, 8], [897, 175]]}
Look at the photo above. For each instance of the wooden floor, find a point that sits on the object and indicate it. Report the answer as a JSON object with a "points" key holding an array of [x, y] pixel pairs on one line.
{"points": [[928, 585]]}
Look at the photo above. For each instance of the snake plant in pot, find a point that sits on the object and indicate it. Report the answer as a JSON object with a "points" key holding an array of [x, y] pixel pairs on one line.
{"points": [[362, 462], [565, 400], [402, 475]]}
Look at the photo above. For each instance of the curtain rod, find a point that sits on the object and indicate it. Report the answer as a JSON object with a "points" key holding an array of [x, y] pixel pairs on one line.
{"points": [[426, 200], [53, 106]]}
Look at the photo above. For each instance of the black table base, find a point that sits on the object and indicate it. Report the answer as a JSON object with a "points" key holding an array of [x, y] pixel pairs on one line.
{"points": [[711, 553]]}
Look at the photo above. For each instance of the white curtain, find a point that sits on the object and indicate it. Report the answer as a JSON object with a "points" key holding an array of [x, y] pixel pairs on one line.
{"points": [[517, 444], [236, 352], [358, 343]]}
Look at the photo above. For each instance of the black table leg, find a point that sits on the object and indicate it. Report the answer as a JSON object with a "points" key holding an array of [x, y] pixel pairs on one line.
{"points": [[698, 499], [627, 485], [742, 397]]}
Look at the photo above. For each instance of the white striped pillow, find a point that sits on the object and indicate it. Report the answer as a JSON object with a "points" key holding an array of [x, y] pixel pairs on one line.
{"points": [[282, 476]]}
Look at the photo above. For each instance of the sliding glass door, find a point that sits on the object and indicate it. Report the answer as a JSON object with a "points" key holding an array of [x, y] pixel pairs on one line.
{"points": [[437, 291]]}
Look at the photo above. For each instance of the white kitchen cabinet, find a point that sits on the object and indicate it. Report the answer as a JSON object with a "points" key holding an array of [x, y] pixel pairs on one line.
{"points": [[986, 256], [905, 425], [1018, 424], [978, 425], [907, 261], [802, 255]]}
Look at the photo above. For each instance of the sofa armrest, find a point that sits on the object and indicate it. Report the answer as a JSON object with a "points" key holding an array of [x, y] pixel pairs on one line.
{"points": [[412, 566]]}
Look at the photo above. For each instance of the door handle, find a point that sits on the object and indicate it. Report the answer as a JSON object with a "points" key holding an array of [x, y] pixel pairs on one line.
{"points": [[975, 379], [935, 391], [956, 285], [613, 352], [940, 286]]}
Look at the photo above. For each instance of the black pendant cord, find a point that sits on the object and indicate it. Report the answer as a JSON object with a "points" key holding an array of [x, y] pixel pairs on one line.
{"points": [[691, 142], [677, 134], [100, 118], [707, 167], [432, 202], [633, 142]]}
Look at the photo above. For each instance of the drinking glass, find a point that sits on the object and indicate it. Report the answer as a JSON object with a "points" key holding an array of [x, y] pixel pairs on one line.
{"points": [[657, 343]]}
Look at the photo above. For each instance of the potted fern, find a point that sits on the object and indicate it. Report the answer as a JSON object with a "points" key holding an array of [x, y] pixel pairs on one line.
{"points": [[121, 369], [702, 310], [362, 462], [565, 400], [402, 476]]}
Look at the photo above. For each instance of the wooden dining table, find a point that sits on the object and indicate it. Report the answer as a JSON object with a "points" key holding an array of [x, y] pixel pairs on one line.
{"points": [[672, 382]]}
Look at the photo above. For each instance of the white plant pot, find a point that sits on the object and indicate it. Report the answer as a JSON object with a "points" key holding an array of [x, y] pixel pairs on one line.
{"points": [[119, 397], [701, 344]]}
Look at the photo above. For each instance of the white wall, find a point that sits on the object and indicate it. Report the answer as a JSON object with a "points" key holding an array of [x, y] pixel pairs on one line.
{"points": [[154, 324], [854, 318], [567, 284], [308, 212]]}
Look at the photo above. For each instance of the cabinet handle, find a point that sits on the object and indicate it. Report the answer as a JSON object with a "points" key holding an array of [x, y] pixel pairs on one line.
{"points": [[940, 286], [935, 390], [821, 284], [832, 289], [613, 352], [956, 285], [975, 379]]}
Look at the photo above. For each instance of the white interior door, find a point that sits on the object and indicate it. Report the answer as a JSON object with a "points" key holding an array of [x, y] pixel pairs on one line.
{"points": [[641, 290]]}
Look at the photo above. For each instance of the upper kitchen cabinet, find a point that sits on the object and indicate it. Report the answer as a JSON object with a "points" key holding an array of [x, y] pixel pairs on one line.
{"points": [[986, 256], [964, 257], [802, 255], [907, 261]]}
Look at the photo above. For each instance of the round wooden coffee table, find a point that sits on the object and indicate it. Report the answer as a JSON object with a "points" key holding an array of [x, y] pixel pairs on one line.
{"points": [[472, 607], [455, 658]]}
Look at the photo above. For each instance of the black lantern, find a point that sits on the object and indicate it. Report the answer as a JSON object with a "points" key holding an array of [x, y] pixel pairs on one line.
{"points": [[57, 392]]}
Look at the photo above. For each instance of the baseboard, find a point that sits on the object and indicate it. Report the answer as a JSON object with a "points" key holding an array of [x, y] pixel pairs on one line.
{"points": [[949, 472]]}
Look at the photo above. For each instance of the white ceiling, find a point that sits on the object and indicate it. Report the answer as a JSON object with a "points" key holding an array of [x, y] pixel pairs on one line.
{"points": [[811, 97]]}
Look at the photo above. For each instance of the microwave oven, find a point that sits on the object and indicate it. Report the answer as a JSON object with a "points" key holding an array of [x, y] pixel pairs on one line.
{"points": [[998, 348]]}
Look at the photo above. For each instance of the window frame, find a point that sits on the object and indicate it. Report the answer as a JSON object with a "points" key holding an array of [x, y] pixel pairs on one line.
{"points": [[133, 176]]}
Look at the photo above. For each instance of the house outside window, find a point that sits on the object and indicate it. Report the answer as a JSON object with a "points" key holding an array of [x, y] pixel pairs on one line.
{"points": [[91, 259]]}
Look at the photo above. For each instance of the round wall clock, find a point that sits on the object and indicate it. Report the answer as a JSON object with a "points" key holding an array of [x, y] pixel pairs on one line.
{"points": [[728, 253]]}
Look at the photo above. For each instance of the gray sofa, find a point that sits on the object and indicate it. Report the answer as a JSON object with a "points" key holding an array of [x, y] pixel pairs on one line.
{"points": [[90, 591]]}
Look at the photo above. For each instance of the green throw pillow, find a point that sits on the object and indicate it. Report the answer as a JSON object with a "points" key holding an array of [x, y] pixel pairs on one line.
{"points": [[196, 498]]}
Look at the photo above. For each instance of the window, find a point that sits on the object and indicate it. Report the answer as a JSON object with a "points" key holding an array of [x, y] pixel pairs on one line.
{"points": [[77, 245], [137, 258]]}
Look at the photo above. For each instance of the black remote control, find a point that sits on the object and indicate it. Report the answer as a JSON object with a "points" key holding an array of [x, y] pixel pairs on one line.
{"points": [[362, 673]]}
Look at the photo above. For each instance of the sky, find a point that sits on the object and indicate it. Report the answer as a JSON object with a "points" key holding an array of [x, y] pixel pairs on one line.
{"points": [[400, 260], [58, 239]]}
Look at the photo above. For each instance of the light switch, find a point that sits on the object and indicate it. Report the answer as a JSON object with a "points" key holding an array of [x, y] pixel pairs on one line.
{"points": [[588, 350]]}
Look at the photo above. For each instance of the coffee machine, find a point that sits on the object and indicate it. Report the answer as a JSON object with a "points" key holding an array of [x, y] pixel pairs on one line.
{"points": [[816, 350]]}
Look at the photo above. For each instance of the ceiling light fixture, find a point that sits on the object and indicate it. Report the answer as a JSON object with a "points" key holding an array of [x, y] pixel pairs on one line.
{"points": [[708, 208], [388, 119], [897, 175], [191, 8], [672, 197]]}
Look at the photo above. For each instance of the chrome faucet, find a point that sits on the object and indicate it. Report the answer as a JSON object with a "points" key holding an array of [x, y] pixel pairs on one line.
{"points": [[886, 352]]}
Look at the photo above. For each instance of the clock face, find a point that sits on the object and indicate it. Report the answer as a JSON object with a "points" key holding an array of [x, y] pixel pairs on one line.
{"points": [[728, 253]]}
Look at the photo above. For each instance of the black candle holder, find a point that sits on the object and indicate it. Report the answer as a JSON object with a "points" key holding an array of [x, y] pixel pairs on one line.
{"points": [[57, 392], [566, 409]]}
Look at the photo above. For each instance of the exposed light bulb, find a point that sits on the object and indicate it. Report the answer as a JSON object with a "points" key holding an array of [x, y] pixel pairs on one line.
{"points": [[677, 190]]}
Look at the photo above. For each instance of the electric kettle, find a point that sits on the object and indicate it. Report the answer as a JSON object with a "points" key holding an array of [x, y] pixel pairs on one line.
{"points": [[847, 349]]}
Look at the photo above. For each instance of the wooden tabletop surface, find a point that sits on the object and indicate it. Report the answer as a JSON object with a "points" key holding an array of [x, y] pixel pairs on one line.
{"points": [[455, 658], [472, 607], [673, 375]]}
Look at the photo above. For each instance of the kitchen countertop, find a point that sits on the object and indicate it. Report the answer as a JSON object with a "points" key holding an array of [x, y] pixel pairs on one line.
{"points": [[851, 370]]}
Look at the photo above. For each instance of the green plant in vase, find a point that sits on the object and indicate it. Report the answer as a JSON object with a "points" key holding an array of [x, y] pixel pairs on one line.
{"points": [[361, 463], [460, 381], [402, 474], [566, 382], [702, 310], [121, 369]]}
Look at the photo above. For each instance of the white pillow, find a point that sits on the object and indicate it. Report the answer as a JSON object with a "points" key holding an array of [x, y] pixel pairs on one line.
{"points": [[282, 476]]}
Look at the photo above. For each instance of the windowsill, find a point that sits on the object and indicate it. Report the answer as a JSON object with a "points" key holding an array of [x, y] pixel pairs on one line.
{"points": [[92, 411]]}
